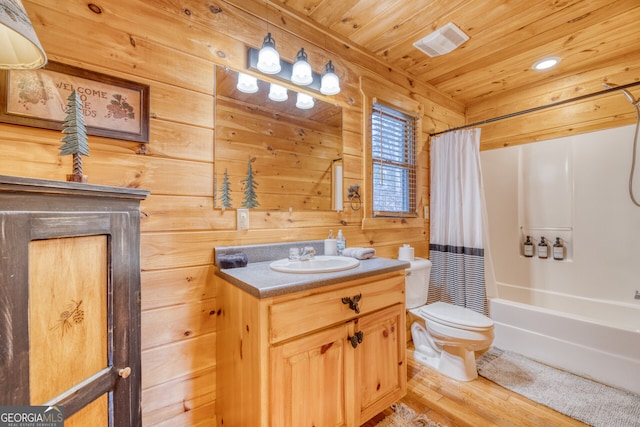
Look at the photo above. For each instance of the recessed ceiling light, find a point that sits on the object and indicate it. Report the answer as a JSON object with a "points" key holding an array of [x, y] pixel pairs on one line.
{"points": [[546, 63]]}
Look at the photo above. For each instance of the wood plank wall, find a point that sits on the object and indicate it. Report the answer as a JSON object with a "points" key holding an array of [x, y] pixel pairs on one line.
{"points": [[174, 47], [586, 115]]}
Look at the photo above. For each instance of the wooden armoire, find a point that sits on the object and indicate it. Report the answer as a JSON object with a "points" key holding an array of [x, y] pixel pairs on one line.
{"points": [[70, 299]]}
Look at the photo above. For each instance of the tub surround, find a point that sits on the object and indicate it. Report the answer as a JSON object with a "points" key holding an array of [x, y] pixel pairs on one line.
{"points": [[578, 314], [259, 280]]}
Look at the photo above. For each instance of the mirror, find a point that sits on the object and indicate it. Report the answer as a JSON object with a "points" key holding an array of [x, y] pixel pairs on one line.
{"points": [[292, 151]]}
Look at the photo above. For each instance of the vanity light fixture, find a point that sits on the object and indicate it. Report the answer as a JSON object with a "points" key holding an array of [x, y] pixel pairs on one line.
{"points": [[330, 84], [304, 101], [546, 63], [247, 83], [268, 57], [278, 93], [19, 44], [299, 72]]}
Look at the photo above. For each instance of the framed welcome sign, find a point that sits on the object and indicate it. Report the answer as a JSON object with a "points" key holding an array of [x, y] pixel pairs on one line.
{"points": [[112, 107]]}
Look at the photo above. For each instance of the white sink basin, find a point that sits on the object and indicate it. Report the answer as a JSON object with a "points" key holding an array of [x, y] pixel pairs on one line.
{"points": [[319, 264]]}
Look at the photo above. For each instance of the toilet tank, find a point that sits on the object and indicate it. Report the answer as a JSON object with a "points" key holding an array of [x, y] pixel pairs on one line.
{"points": [[417, 282]]}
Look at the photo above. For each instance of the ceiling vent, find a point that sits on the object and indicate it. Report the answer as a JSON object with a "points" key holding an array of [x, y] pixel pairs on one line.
{"points": [[442, 41]]}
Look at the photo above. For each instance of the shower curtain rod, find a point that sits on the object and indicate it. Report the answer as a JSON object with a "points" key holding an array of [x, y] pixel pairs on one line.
{"points": [[534, 109]]}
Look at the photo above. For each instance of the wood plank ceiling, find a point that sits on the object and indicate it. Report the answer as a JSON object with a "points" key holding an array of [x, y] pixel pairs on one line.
{"points": [[597, 40]]}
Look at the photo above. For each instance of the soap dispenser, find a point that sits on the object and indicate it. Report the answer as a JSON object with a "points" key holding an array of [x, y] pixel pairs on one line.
{"points": [[528, 247], [558, 250], [341, 243], [543, 248]]}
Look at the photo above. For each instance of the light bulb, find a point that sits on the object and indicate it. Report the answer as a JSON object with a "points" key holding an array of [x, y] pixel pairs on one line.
{"points": [[247, 83], [301, 73], [330, 83], [278, 93], [268, 57], [304, 101]]}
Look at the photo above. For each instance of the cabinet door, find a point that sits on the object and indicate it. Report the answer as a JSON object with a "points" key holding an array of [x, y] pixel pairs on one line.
{"points": [[380, 359], [69, 301], [312, 380]]}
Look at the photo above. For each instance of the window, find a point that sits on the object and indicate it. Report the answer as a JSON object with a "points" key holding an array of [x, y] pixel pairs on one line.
{"points": [[393, 158]]}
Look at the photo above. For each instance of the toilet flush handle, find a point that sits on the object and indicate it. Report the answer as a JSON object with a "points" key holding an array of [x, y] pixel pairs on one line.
{"points": [[353, 303]]}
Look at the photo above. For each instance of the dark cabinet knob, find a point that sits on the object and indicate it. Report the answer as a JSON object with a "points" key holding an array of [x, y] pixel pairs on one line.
{"points": [[353, 302], [356, 339]]}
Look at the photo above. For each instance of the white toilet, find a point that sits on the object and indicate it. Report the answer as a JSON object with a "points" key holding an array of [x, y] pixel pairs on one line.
{"points": [[445, 336]]}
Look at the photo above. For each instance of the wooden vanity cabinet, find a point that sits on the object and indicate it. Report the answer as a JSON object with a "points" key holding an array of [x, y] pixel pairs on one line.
{"points": [[292, 360]]}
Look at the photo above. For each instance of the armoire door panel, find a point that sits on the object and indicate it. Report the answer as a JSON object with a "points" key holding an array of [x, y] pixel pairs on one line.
{"points": [[68, 322], [95, 414]]}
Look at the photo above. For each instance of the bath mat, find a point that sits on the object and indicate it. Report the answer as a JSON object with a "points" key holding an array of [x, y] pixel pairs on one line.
{"points": [[585, 400], [404, 416]]}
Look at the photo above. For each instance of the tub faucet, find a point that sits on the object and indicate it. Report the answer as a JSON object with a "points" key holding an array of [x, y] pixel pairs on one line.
{"points": [[302, 254]]}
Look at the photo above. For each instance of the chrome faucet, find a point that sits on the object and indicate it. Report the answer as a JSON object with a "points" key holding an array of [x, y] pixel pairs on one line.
{"points": [[302, 254]]}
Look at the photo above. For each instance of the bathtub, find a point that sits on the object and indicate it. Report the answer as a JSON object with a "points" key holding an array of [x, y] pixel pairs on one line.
{"points": [[595, 339]]}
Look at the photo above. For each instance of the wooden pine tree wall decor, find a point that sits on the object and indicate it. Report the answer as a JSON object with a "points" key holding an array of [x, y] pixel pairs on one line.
{"points": [[249, 184], [75, 139], [225, 190]]}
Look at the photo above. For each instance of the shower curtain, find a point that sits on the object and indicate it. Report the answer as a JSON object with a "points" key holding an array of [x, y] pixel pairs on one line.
{"points": [[456, 246]]}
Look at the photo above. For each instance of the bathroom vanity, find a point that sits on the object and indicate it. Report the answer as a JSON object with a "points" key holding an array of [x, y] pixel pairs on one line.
{"points": [[310, 349]]}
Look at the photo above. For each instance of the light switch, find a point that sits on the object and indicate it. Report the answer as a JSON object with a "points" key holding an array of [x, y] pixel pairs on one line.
{"points": [[243, 219]]}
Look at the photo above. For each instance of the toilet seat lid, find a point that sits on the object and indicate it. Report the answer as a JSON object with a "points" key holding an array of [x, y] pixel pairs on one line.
{"points": [[456, 316]]}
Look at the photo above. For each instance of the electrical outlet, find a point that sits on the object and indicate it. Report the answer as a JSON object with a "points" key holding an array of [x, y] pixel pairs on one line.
{"points": [[243, 219], [426, 212]]}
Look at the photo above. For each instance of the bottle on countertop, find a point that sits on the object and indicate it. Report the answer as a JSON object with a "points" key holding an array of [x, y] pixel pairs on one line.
{"points": [[341, 243], [543, 248], [558, 250], [330, 245], [528, 247]]}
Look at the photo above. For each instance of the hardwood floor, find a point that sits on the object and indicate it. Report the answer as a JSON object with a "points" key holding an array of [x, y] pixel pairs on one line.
{"points": [[476, 403]]}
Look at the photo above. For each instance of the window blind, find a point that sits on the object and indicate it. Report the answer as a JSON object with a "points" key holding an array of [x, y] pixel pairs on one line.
{"points": [[393, 156]]}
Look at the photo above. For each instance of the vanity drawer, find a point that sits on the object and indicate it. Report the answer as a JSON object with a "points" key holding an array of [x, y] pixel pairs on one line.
{"points": [[302, 315]]}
